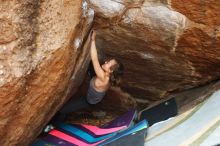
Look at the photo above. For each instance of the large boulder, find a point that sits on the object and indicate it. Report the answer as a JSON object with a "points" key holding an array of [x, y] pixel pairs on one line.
{"points": [[43, 58], [165, 46]]}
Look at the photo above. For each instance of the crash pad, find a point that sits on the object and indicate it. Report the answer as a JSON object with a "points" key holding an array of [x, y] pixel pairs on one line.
{"points": [[92, 134], [41, 142], [56, 140], [139, 127], [83, 135], [80, 134], [160, 112]]}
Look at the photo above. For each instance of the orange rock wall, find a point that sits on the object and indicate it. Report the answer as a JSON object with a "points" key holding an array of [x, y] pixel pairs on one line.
{"points": [[43, 59]]}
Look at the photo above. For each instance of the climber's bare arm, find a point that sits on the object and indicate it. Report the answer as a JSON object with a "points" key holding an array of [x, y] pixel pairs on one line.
{"points": [[94, 57]]}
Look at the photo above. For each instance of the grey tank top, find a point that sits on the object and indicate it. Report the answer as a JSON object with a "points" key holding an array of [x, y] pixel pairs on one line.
{"points": [[93, 96]]}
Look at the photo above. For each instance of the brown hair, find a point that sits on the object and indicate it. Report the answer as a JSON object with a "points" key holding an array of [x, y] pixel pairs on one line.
{"points": [[115, 76]]}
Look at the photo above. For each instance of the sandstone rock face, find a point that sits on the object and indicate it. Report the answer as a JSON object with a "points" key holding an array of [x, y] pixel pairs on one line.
{"points": [[165, 46], [43, 56]]}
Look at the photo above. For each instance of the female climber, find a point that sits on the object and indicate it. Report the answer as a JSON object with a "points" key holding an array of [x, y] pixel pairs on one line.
{"points": [[106, 75]]}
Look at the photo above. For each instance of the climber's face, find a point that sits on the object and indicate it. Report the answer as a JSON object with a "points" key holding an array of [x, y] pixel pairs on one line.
{"points": [[108, 65]]}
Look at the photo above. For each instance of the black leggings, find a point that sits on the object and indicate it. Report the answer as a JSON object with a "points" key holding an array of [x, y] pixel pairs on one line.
{"points": [[71, 106]]}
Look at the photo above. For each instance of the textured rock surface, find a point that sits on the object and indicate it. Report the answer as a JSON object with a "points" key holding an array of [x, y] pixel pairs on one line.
{"points": [[41, 60], [164, 45]]}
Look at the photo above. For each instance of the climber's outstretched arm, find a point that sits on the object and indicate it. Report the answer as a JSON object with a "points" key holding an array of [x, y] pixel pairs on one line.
{"points": [[94, 57]]}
